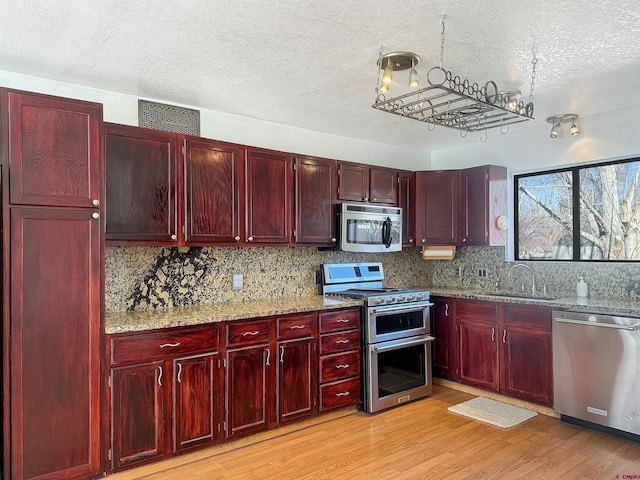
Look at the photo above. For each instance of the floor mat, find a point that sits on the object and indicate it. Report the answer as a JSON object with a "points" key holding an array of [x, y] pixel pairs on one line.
{"points": [[495, 413]]}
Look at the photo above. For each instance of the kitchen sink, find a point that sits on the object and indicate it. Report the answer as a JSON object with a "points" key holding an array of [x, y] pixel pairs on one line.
{"points": [[524, 296]]}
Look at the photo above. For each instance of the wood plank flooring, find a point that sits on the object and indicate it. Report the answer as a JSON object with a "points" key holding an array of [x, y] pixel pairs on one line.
{"points": [[416, 441]]}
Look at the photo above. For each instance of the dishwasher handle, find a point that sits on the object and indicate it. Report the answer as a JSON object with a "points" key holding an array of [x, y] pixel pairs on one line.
{"points": [[598, 324]]}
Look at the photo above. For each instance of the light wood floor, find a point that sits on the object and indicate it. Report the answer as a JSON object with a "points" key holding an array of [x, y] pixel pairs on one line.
{"points": [[416, 441]]}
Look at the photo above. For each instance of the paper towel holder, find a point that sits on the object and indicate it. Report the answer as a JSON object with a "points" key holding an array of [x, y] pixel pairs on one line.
{"points": [[438, 252]]}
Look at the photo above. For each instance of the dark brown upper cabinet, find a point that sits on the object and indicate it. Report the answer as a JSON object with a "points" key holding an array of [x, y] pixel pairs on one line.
{"points": [[214, 206], [142, 185], [406, 201], [362, 183], [461, 207], [268, 197], [315, 222], [54, 150]]}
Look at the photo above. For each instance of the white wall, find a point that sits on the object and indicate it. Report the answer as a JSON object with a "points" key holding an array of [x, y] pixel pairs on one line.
{"points": [[122, 108], [608, 136]]}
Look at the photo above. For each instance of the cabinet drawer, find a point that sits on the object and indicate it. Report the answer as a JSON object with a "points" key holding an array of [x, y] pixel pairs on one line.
{"points": [[339, 320], [145, 347], [341, 365], [538, 318], [339, 342], [339, 394], [247, 333], [477, 310], [296, 326]]}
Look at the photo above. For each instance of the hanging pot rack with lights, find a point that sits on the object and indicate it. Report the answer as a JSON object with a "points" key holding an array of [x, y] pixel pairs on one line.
{"points": [[448, 100]]}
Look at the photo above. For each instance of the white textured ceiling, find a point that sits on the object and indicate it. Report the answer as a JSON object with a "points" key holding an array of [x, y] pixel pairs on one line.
{"points": [[312, 63]]}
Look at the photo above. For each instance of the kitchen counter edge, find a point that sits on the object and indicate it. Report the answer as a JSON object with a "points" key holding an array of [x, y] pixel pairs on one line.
{"points": [[141, 320]]}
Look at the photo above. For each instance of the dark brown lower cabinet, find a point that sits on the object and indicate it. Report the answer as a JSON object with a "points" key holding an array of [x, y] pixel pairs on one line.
{"points": [[443, 329], [165, 393], [506, 348], [296, 381]]}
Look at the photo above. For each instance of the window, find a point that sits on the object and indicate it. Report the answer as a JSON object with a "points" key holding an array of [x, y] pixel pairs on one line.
{"points": [[580, 213]]}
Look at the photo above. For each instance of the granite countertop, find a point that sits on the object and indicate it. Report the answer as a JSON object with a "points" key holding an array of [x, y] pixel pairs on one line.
{"points": [[139, 320], [593, 304]]}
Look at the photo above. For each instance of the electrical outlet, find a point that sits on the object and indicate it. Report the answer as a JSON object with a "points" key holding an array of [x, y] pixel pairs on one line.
{"points": [[482, 273], [237, 282], [458, 271]]}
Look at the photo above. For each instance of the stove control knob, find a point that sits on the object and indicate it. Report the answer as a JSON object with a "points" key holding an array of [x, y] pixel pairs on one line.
{"points": [[410, 297], [391, 299], [401, 298], [379, 300], [420, 296]]}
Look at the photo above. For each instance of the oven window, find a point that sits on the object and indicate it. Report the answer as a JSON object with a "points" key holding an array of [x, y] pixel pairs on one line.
{"points": [[401, 370], [398, 322]]}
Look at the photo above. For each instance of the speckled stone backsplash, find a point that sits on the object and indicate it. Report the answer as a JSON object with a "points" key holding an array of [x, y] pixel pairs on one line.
{"points": [[605, 280], [139, 278]]}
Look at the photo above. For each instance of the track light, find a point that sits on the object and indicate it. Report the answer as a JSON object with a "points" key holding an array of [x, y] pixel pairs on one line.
{"points": [[558, 120], [395, 62], [387, 76], [413, 76]]}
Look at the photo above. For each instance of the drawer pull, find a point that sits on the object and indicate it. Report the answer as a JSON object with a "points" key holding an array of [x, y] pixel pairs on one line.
{"points": [[170, 345], [251, 333], [344, 365], [342, 341], [343, 320], [342, 394], [293, 327]]}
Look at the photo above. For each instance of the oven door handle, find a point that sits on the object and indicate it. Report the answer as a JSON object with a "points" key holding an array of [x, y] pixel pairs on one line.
{"points": [[401, 307], [402, 344]]}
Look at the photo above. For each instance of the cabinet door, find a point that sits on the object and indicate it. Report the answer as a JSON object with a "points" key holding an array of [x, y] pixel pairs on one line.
{"points": [[383, 186], [353, 182], [268, 197], [315, 191], [437, 207], [406, 201], [527, 354], [478, 353], [55, 146], [141, 185], [212, 192], [55, 326], [296, 384], [444, 333], [249, 393], [137, 413], [195, 418], [475, 209]]}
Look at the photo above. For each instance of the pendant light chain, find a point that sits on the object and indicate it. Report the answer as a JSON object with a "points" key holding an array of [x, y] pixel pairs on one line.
{"points": [[378, 79], [442, 42], [534, 62]]}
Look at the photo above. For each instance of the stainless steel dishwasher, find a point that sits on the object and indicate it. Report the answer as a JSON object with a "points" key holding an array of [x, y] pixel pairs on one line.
{"points": [[596, 369]]}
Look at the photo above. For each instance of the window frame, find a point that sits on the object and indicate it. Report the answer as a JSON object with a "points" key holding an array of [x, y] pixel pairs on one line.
{"points": [[575, 180]]}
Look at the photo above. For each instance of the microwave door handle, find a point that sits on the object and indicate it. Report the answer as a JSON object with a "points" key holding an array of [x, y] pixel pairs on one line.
{"points": [[386, 232]]}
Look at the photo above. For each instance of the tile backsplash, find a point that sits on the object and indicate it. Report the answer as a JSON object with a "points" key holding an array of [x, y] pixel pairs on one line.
{"points": [[140, 278]]}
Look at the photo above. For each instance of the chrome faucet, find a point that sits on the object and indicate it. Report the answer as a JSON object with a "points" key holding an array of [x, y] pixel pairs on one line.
{"points": [[533, 278]]}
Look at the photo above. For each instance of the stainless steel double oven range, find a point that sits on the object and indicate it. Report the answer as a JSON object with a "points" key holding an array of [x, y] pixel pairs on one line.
{"points": [[396, 344]]}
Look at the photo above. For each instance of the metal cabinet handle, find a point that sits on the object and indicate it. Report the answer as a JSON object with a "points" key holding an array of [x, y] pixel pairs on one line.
{"points": [[251, 333], [424, 240], [250, 239], [504, 336], [268, 356], [170, 345], [96, 202], [95, 215], [281, 353], [344, 365], [174, 237], [342, 341], [464, 240], [446, 309], [293, 327], [342, 394], [343, 320], [411, 240], [493, 334], [333, 239], [236, 238], [160, 375], [179, 372], [375, 199]]}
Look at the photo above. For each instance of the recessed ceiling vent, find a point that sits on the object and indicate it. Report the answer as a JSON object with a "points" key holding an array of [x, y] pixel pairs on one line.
{"points": [[169, 118]]}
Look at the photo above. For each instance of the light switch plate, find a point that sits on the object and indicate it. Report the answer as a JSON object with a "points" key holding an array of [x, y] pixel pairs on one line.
{"points": [[237, 282]]}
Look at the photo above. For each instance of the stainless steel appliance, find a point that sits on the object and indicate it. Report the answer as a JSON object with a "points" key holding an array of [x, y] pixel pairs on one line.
{"points": [[396, 345], [369, 228], [596, 369]]}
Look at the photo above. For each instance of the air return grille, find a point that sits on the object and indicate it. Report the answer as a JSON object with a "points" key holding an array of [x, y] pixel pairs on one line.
{"points": [[169, 118]]}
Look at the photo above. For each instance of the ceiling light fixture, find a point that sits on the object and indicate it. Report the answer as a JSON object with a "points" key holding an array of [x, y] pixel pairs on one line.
{"points": [[448, 100], [558, 120]]}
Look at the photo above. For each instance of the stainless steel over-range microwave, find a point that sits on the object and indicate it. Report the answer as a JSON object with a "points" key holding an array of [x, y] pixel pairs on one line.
{"points": [[369, 228]]}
